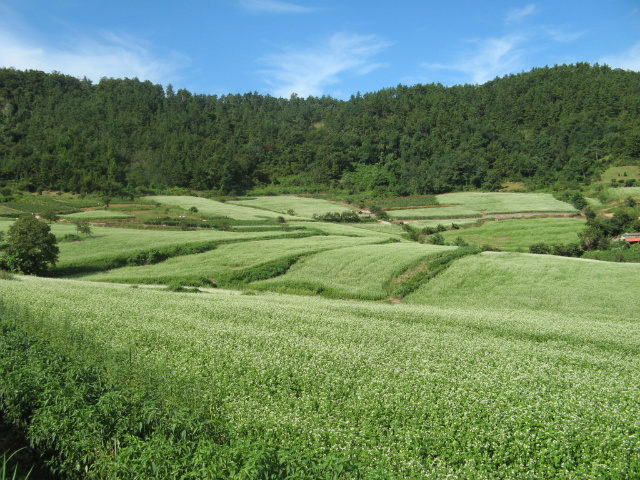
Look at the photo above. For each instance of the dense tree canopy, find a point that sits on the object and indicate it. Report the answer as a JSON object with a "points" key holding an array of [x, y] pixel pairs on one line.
{"points": [[561, 124]]}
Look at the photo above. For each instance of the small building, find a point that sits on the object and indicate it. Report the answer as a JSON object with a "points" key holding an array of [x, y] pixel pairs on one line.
{"points": [[631, 237]]}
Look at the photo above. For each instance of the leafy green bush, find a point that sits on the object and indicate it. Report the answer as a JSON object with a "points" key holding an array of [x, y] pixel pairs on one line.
{"points": [[70, 237], [540, 249], [86, 427], [436, 239], [348, 216], [261, 272]]}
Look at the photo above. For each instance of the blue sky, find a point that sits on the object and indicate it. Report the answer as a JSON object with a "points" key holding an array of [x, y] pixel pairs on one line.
{"points": [[313, 47]]}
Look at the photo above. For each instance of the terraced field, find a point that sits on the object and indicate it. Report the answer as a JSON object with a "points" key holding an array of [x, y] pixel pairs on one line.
{"points": [[474, 204], [301, 206], [492, 365], [519, 234], [213, 208], [226, 259], [355, 272]]}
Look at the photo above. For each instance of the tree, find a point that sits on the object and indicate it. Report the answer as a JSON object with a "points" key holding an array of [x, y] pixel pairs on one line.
{"points": [[31, 246], [49, 216], [83, 228]]}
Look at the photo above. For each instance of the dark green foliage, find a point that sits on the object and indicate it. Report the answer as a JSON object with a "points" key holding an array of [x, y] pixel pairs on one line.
{"points": [[49, 215], [436, 239], [570, 250], [431, 268], [31, 247], [412, 233], [83, 228], [261, 272], [70, 237], [619, 252], [548, 127], [540, 249], [348, 216], [87, 427], [379, 213], [460, 242]]}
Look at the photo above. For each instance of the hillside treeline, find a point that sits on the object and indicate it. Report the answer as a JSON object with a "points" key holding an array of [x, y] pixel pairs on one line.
{"points": [[549, 127]]}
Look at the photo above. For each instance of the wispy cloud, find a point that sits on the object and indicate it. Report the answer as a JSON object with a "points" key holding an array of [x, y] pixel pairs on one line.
{"points": [[486, 58], [629, 60], [274, 6], [309, 71], [491, 57], [104, 55], [516, 15]]}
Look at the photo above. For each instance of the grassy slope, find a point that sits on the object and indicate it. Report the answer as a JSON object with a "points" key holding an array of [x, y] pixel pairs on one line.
{"points": [[356, 272], [507, 202], [473, 204], [456, 211], [105, 243], [520, 233], [624, 192], [217, 209], [96, 215], [503, 281], [302, 207], [227, 258], [453, 387]]}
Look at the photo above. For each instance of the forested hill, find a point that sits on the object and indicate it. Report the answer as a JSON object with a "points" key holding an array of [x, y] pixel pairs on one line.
{"points": [[557, 125]]}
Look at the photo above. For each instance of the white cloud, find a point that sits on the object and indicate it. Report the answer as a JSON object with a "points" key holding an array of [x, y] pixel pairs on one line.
{"points": [[106, 55], [492, 57], [558, 35], [274, 6], [629, 60], [309, 72], [517, 14]]}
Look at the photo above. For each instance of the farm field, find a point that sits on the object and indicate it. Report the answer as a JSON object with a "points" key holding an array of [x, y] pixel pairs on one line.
{"points": [[519, 234], [434, 223], [621, 173], [301, 206], [226, 259], [354, 272], [345, 350], [490, 203], [214, 208], [624, 192], [602, 291], [339, 389], [444, 213], [108, 243], [96, 215], [474, 204]]}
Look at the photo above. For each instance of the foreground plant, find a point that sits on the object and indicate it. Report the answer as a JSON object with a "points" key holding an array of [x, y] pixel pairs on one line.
{"points": [[5, 470]]}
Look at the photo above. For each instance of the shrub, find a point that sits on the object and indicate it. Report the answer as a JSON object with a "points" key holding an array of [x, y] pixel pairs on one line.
{"points": [[540, 249], [436, 239], [70, 237], [4, 275]]}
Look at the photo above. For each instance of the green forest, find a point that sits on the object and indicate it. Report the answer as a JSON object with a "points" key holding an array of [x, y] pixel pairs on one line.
{"points": [[553, 127]]}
